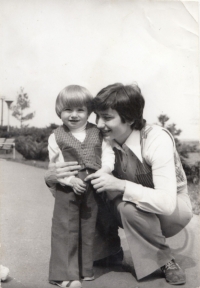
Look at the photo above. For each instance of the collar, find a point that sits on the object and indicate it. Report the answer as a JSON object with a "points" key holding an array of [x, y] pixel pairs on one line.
{"points": [[133, 143]]}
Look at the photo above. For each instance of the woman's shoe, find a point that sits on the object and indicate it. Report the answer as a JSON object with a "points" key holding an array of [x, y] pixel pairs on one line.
{"points": [[65, 284], [4, 272], [174, 275]]}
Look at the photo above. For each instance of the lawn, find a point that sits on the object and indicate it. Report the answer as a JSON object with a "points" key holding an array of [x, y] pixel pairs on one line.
{"points": [[193, 190]]}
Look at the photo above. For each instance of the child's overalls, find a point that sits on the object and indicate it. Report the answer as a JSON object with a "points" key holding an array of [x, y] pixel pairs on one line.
{"points": [[74, 216]]}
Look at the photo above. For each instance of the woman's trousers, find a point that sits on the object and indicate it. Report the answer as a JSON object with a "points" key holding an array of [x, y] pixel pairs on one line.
{"points": [[145, 233]]}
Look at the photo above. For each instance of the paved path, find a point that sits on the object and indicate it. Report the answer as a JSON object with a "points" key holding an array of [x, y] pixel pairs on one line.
{"points": [[26, 211]]}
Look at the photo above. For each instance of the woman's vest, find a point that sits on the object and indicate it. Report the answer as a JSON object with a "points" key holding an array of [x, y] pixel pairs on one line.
{"points": [[86, 153], [129, 167]]}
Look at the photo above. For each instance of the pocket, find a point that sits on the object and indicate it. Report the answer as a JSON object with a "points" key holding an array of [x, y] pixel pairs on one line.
{"points": [[98, 152]]}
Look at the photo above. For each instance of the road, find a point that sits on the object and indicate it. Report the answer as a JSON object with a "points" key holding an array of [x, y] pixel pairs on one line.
{"points": [[26, 211]]}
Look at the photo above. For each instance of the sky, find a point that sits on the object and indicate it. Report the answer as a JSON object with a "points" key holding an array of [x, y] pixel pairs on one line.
{"points": [[47, 45]]}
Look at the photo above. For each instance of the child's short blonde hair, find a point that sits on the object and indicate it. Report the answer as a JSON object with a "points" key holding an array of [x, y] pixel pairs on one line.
{"points": [[73, 96]]}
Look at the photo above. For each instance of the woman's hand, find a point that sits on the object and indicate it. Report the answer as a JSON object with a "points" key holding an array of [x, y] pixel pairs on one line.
{"points": [[57, 171], [106, 182]]}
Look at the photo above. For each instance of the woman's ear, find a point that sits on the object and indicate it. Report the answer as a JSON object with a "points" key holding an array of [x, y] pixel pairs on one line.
{"points": [[131, 122]]}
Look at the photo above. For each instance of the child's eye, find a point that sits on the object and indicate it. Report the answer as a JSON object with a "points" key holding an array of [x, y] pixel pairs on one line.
{"points": [[82, 109], [67, 109]]}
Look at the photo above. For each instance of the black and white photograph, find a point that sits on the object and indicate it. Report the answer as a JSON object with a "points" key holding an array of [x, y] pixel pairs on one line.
{"points": [[99, 144]]}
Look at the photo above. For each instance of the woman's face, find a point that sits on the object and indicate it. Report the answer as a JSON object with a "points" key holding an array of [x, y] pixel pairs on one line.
{"points": [[110, 123]]}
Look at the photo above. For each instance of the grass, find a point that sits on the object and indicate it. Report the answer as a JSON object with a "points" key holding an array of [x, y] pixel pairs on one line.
{"points": [[193, 189]]}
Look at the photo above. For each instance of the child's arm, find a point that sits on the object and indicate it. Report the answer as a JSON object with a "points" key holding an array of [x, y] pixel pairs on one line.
{"points": [[105, 169], [55, 150], [107, 158]]}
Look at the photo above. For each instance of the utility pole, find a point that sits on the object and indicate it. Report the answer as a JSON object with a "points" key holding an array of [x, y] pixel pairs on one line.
{"points": [[9, 102], [2, 99]]}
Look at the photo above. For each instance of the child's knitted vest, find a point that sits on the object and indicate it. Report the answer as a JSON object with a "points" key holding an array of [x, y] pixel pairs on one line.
{"points": [[88, 153]]}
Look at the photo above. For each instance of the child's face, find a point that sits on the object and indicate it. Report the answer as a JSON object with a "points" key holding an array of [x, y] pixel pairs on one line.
{"points": [[74, 118]]}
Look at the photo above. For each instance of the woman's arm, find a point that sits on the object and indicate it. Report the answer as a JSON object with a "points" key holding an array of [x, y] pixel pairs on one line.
{"points": [[57, 171]]}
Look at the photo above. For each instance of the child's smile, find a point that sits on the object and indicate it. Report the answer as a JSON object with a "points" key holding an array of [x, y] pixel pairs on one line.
{"points": [[74, 118]]}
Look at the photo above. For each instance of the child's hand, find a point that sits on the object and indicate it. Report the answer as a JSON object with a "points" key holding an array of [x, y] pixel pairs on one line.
{"points": [[78, 185]]}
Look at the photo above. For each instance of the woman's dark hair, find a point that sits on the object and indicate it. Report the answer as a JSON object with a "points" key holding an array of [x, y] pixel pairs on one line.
{"points": [[127, 100]]}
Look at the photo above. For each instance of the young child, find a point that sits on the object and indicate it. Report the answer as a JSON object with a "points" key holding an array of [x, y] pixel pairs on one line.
{"points": [[75, 210]]}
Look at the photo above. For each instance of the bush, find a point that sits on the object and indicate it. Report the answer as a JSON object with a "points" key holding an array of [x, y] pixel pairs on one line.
{"points": [[31, 142], [192, 172], [30, 149]]}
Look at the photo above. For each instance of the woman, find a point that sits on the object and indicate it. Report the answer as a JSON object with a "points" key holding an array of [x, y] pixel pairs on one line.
{"points": [[148, 192]]}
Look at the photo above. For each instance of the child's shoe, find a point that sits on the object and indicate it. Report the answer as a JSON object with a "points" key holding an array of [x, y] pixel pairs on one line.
{"points": [[65, 284], [4, 272], [88, 278]]}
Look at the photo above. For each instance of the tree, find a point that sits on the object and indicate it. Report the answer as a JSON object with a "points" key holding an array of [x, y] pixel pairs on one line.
{"points": [[22, 103], [163, 118], [192, 171], [173, 130]]}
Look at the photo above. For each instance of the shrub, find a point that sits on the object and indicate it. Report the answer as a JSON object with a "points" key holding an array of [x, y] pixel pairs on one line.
{"points": [[31, 142], [30, 149], [192, 172]]}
